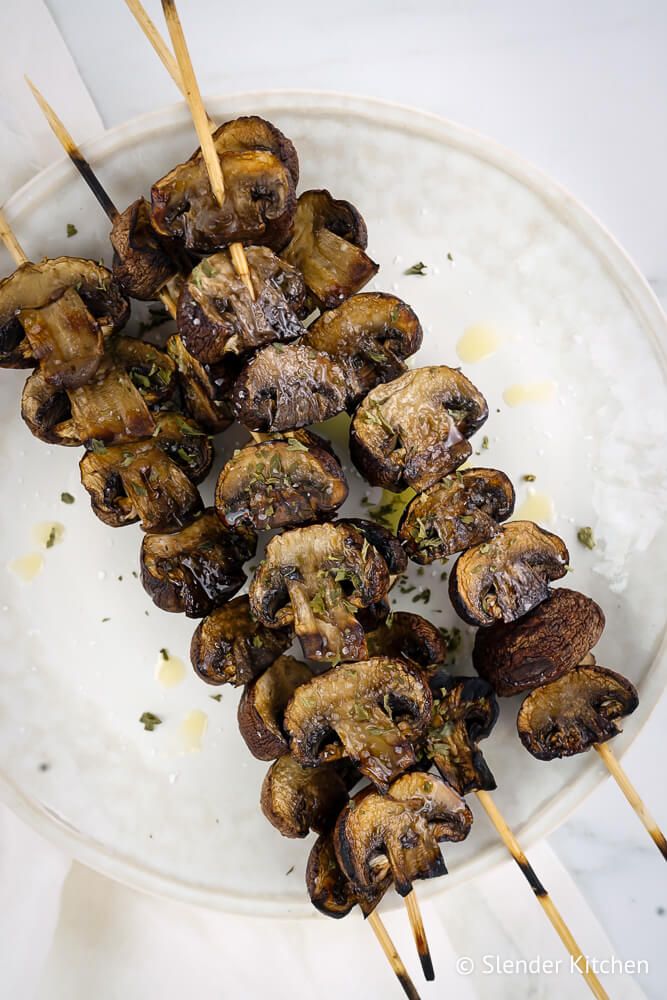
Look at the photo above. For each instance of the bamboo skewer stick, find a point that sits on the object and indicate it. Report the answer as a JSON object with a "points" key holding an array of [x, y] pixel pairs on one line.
{"points": [[543, 897], [9, 239], [393, 957], [419, 934], [163, 51], [632, 795]]}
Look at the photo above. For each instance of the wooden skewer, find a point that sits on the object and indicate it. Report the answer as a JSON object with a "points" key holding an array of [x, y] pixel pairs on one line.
{"points": [[632, 795], [9, 239], [393, 957], [419, 934], [165, 54], [201, 123], [542, 895], [87, 172]]}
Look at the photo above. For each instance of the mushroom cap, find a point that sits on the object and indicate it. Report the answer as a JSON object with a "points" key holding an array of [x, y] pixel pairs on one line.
{"points": [[370, 712], [217, 316], [109, 407], [382, 539], [198, 568], [143, 261], [262, 707], [409, 636], [329, 890], [315, 578], [461, 510], [284, 387], [546, 643], [231, 647], [465, 710], [47, 412], [186, 444], [151, 369], [572, 713], [376, 332], [298, 799], [280, 483], [327, 245], [406, 825], [502, 579], [412, 431], [206, 389]]}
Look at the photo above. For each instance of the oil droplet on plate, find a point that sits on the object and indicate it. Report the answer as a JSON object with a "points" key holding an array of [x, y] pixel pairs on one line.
{"points": [[169, 670], [537, 507], [192, 731], [389, 508], [478, 342], [529, 392], [48, 533], [27, 567]]}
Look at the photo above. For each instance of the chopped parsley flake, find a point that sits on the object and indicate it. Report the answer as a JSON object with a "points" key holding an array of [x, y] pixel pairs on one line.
{"points": [[149, 721], [71, 230], [418, 268], [67, 498], [586, 537]]}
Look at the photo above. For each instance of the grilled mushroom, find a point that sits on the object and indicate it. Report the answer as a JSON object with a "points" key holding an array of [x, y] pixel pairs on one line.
{"points": [[259, 169], [540, 647], [185, 443], [374, 331], [232, 647], [47, 411], [286, 387], [461, 510], [504, 578], [327, 246], [370, 712], [382, 539], [152, 371], [279, 483], [263, 703], [412, 431], [465, 711], [298, 799], [330, 891], [198, 568], [410, 637], [569, 715], [143, 261], [206, 390], [57, 312], [315, 578], [402, 828], [217, 316]]}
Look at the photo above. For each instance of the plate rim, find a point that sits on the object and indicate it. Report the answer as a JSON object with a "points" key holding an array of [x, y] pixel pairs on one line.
{"points": [[635, 289]]}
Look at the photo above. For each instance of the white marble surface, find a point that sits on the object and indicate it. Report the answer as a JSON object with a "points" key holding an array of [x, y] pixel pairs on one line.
{"points": [[578, 89]]}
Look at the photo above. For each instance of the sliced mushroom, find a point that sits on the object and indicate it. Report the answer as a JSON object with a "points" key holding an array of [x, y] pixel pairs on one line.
{"points": [[298, 799], [571, 714], [143, 261], [371, 712], [47, 411], [217, 316], [462, 510], [548, 642], [465, 711], [504, 578], [382, 539], [374, 331], [413, 431], [198, 568], [207, 390], [263, 703], [186, 444], [288, 386], [231, 647], [410, 637], [152, 371], [109, 408], [403, 828], [259, 169], [315, 578], [57, 311], [330, 891], [327, 246], [279, 483]]}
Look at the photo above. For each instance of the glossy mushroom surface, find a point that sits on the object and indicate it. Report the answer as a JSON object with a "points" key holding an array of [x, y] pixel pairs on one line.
{"points": [[571, 714], [330, 891], [465, 710], [409, 636], [297, 799], [382, 539], [206, 389], [263, 703], [504, 578], [544, 644], [143, 261]]}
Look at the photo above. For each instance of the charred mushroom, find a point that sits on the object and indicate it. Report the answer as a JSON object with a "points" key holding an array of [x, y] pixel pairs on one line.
{"points": [[263, 703], [462, 510], [374, 331], [465, 711], [151, 370], [545, 644], [232, 647], [185, 443], [402, 828], [298, 799], [143, 261], [315, 578], [330, 891], [259, 169], [279, 483], [286, 387], [206, 390], [198, 568], [410, 637], [382, 539], [504, 578], [327, 246], [413, 431], [569, 715], [371, 712]]}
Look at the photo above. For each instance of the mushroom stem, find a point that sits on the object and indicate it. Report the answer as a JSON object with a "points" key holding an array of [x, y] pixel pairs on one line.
{"points": [[632, 795], [541, 894], [393, 957], [9, 239], [419, 933]]}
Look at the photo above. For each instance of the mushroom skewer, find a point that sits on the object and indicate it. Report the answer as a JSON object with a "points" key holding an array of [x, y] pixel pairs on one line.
{"points": [[632, 795]]}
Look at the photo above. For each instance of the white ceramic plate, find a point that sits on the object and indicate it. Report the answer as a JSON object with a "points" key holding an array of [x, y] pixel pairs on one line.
{"points": [[567, 308]]}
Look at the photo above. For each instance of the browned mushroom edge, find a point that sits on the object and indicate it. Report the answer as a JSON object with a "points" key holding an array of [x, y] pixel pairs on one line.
{"points": [[465, 710], [206, 390], [143, 261], [382, 539], [262, 707], [330, 891], [297, 799], [409, 636]]}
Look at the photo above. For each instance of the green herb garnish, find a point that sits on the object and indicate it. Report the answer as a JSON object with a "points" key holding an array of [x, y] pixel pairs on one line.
{"points": [[586, 537], [418, 268], [150, 721], [67, 498], [71, 230]]}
